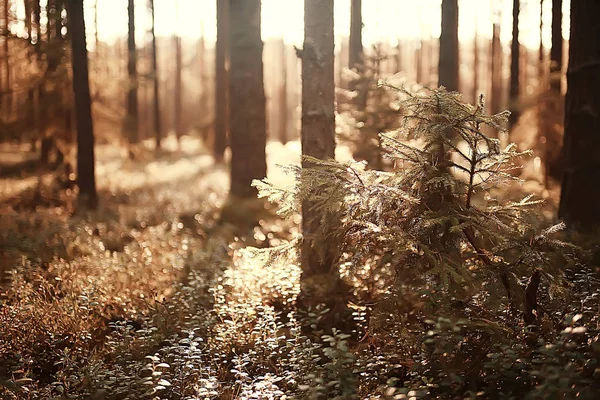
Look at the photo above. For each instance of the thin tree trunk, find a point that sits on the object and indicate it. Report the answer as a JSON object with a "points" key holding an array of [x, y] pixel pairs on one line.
{"points": [[541, 69], [356, 47], [6, 87], [178, 88], [496, 68], [579, 206], [448, 63], [222, 81], [283, 99], [156, 102], [556, 52], [132, 119], [96, 40], [247, 101], [86, 180], [515, 50], [475, 66], [318, 111], [398, 58]]}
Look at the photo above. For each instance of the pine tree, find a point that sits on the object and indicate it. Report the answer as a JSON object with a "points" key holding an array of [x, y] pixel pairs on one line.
{"points": [[556, 52], [448, 62], [356, 46], [246, 97], [222, 85], [432, 226], [579, 205], [86, 180], [131, 119], [515, 50], [156, 104]]}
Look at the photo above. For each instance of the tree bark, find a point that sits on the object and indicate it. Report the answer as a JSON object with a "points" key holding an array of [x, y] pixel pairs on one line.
{"points": [[283, 99], [247, 113], [475, 67], [222, 85], [515, 49], [86, 180], [556, 52], [178, 87], [318, 110], [448, 63], [496, 68], [356, 47], [131, 120], [579, 206], [156, 103]]}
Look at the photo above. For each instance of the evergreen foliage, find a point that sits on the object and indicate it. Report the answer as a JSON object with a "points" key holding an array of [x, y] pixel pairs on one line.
{"points": [[433, 219]]}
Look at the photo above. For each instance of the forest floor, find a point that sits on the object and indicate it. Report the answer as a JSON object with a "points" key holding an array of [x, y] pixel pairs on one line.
{"points": [[97, 298]]}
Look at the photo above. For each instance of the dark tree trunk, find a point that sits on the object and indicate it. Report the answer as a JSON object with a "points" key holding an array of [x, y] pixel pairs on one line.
{"points": [[541, 49], [556, 52], [156, 103], [86, 180], [37, 10], [356, 47], [131, 120], [222, 85], [448, 63], [515, 49], [496, 68], [283, 100], [318, 110], [579, 206], [475, 67], [178, 88], [246, 98], [6, 102]]}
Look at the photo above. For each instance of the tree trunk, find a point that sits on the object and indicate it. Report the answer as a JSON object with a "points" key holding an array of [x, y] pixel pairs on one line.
{"points": [[448, 63], [541, 68], [156, 103], [131, 120], [356, 47], [222, 85], [556, 53], [515, 50], [86, 180], [178, 88], [579, 206], [283, 99], [6, 86], [246, 98], [496, 68], [318, 111], [475, 67]]}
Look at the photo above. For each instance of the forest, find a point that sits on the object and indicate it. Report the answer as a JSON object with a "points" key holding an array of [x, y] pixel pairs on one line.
{"points": [[299, 199]]}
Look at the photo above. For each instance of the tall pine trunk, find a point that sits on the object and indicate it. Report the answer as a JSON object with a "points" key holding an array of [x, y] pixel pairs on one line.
{"points": [[283, 96], [131, 120], [222, 85], [156, 103], [496, 69], [356, 47], [556, 52], [515, 50], [247, 114], [448, 62], [86, 180], [178, 88], [318, 111], [579, 205]]}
